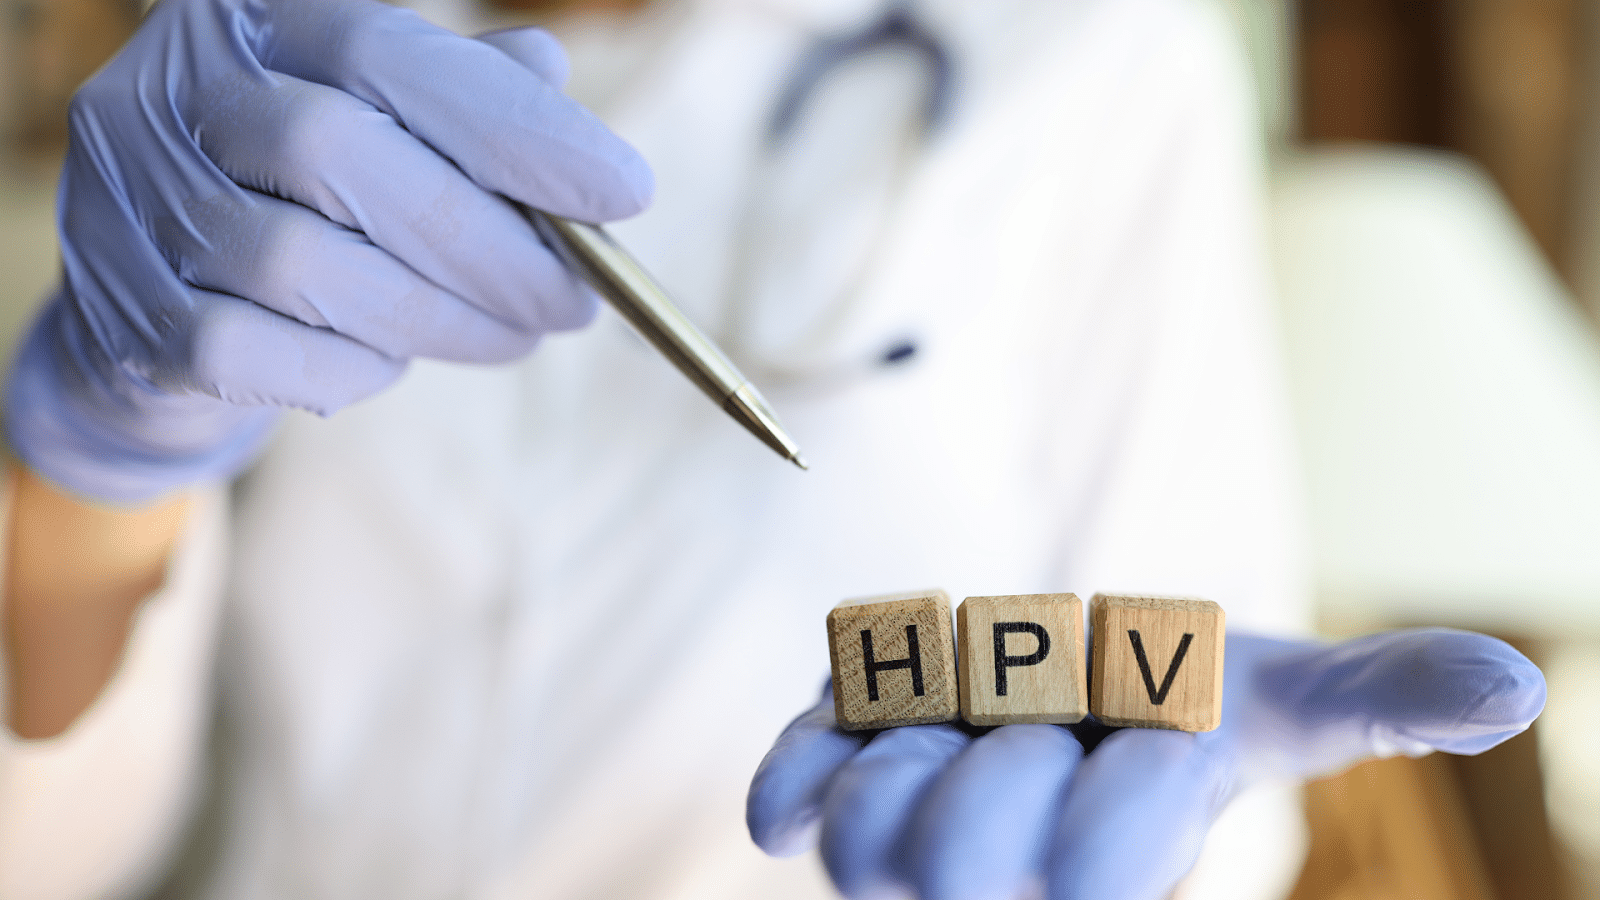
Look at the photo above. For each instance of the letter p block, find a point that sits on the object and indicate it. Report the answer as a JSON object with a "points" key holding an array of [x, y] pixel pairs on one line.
{"points": [[893, 660], [1022, 659]]}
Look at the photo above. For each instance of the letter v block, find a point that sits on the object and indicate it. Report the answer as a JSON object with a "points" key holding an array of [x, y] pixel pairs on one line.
{"points": [[1022, 659], [894, 660], [1157, 662]]}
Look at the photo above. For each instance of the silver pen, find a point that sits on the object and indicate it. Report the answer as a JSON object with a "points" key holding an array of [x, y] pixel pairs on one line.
{"points": [[619, 278]]}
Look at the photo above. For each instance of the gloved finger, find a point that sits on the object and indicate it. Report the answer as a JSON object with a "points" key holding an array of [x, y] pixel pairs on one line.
{"points": [[869, 805], [981, 828], [287, 364], [534, 49], [1321, 708], [244, 353], [293, 261], [785, 801], [506, 128], [1135, 816], [356, 166]]}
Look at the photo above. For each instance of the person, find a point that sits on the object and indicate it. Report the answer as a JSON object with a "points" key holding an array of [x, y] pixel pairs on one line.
{"points": [[525, 627]]}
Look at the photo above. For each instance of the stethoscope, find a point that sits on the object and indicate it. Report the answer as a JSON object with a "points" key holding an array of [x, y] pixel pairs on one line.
{"points": [[900, 30], [898, 27]]}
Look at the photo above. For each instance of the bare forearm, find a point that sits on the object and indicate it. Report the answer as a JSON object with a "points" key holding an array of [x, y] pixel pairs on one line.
{"points": [[76, 574]]}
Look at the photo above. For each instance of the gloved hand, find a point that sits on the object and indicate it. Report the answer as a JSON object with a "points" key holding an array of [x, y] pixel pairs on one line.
{"points": [[934, 812], [276, 203]]}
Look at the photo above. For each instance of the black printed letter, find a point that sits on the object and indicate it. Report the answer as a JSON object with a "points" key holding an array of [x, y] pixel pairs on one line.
{"points": [[1003, 662], [912, 662], [1158, 697]]}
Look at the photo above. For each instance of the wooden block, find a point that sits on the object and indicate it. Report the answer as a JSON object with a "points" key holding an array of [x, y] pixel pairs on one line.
{"points": [[1157, 662], [893, 660], [1022, 659]]}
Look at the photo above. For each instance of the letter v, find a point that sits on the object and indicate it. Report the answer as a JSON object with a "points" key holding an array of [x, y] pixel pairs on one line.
{"points": [[1158, 696]]}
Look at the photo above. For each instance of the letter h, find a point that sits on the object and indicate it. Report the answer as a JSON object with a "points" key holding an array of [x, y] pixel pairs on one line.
{"points": [[912, 662]]}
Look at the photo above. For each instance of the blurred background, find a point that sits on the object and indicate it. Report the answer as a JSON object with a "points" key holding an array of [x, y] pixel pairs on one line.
{"points": [[1434, 205]]}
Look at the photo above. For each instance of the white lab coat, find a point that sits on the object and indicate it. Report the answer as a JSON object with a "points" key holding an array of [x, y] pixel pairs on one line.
{"points": [[526, 631]]}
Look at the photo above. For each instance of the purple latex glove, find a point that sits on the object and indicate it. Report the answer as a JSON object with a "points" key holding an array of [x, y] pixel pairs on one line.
{"points": [[944, 812], [277, 203]]}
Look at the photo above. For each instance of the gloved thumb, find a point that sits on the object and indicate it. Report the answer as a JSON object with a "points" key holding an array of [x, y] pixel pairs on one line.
{"points": [[536, 50], [1318, 709]]}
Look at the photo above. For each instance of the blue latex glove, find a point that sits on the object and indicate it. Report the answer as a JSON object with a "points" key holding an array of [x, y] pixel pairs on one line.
{"points": [[277, 203], [934, 811]]}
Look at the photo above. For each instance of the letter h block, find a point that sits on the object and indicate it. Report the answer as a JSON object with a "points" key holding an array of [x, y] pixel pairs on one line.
{"points": [[1022, 659], [1157, 662], [893, 660]]}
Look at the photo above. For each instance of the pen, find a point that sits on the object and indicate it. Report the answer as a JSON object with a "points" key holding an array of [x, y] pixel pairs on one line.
{"points": [[619, 278]]}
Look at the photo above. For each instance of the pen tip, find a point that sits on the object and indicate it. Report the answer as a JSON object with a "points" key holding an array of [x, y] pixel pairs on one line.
{"points": [[800, 461]]}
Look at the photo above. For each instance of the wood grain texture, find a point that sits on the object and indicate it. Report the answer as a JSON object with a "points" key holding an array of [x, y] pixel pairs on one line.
{"points": [[1022, 659], [898, 687], [1157, 662]]}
